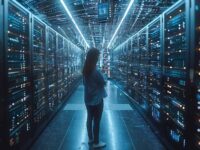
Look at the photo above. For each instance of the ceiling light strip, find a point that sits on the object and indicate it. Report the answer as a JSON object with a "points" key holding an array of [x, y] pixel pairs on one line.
{"points": [[125, 14], [40, 20], [70, 15], [161, 15]]}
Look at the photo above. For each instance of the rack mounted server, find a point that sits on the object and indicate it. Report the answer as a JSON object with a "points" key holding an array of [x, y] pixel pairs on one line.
{"points": [[39, 69], [163, 72]]}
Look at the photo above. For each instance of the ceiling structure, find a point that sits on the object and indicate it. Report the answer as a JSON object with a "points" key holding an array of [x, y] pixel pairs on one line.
{"points": [[97, 32]]}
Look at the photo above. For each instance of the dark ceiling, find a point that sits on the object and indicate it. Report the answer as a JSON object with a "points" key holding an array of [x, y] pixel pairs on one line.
{"points": [[97, 32]]}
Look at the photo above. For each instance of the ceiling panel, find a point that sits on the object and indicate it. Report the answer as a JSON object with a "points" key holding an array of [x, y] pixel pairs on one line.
{"points": [[97, 32]]}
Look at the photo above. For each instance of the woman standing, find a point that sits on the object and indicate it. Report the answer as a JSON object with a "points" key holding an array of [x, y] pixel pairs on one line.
{"points": [[94, 93]]}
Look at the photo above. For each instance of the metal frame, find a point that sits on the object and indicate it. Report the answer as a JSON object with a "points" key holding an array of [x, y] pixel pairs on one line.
{"points": [[174, 8], [193, 62], [5, 74], [3, 110]]}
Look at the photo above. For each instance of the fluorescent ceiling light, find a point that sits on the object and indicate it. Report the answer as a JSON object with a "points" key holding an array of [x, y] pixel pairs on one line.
{"points": [[70, 15], [125, 14]]}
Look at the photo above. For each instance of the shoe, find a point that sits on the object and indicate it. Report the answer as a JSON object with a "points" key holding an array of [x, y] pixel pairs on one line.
{"points": [[90, 141], [99, 145]]}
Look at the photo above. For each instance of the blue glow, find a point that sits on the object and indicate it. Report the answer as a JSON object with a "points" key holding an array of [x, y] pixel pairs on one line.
{"points": [[70, 15], [125, 14], [161, 15], [198, 97], [35, 17], [175, 136]]}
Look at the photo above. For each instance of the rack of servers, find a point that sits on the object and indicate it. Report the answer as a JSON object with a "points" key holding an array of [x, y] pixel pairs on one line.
{"points": [[159, 68], [39, 69]]}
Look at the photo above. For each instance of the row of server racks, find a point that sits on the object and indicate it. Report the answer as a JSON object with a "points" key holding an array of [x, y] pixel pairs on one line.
{"points": [[39, 68], [159, 67]]}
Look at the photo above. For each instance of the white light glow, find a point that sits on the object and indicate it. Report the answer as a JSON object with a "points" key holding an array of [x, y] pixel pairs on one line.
{"points": [[35, 17], [125, 14], [70, 15]]}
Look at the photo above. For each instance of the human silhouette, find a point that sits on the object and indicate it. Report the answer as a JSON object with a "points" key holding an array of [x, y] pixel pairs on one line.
{"points": [[94, 93]]}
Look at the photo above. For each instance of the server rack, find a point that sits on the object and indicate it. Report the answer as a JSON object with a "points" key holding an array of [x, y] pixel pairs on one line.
{"points": [[51, 69], [176, 55], [170, 93], [70, 65], [18, 69], [60, 68], [74, 65], [2, 100], [195, 74], [122, 66], [155, 69], [135, 69], [40, 103], [66, 68], [144, 68], [29, 51], [129, 67]]}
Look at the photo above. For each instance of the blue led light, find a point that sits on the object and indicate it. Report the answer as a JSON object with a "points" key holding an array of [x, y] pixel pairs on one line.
{"points": [[70, 15]]}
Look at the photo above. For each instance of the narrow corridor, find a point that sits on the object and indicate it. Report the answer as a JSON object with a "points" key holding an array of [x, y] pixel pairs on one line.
{"points": [[122, 127]]}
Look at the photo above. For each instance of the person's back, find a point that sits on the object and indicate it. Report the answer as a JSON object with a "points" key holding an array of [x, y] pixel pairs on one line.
{"points": [[94, 93], [94, 88]]}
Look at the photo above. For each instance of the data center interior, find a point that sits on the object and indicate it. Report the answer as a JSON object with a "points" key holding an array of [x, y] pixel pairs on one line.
{"points": [[150, 57]]}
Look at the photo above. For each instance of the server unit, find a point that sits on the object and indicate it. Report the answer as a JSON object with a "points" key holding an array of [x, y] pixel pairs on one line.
{"points": [[162, 76], [40, 69]]}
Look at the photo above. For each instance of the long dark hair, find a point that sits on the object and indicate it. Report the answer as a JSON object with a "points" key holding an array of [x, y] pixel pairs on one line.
{"points": [[90, 62]]}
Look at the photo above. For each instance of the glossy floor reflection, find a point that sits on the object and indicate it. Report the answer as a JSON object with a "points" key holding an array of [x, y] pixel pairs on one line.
{"points": [[122, 127]]}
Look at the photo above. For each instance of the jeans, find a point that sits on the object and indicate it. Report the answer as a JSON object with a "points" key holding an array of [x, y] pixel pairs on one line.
{"points": [[94, 113]]}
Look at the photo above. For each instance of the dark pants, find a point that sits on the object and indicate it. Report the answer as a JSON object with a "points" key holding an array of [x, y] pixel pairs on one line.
{"points": [[94, 114]]}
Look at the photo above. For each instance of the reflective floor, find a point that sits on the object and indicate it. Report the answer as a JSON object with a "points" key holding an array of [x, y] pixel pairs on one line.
{"points": [[122, 127]]}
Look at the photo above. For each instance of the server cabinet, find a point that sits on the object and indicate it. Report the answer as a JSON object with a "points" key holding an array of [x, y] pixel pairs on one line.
{"points": [[122, 66], [135, 68], [77, 66], [2, 100], [144, 68], [73, 64], [129, 67], [40, 103], [176, 55], [66, 68], [155, 69], [18, 69], [70, 63], [195, 71], [113, 65], [60, 68], [51, 69]]}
